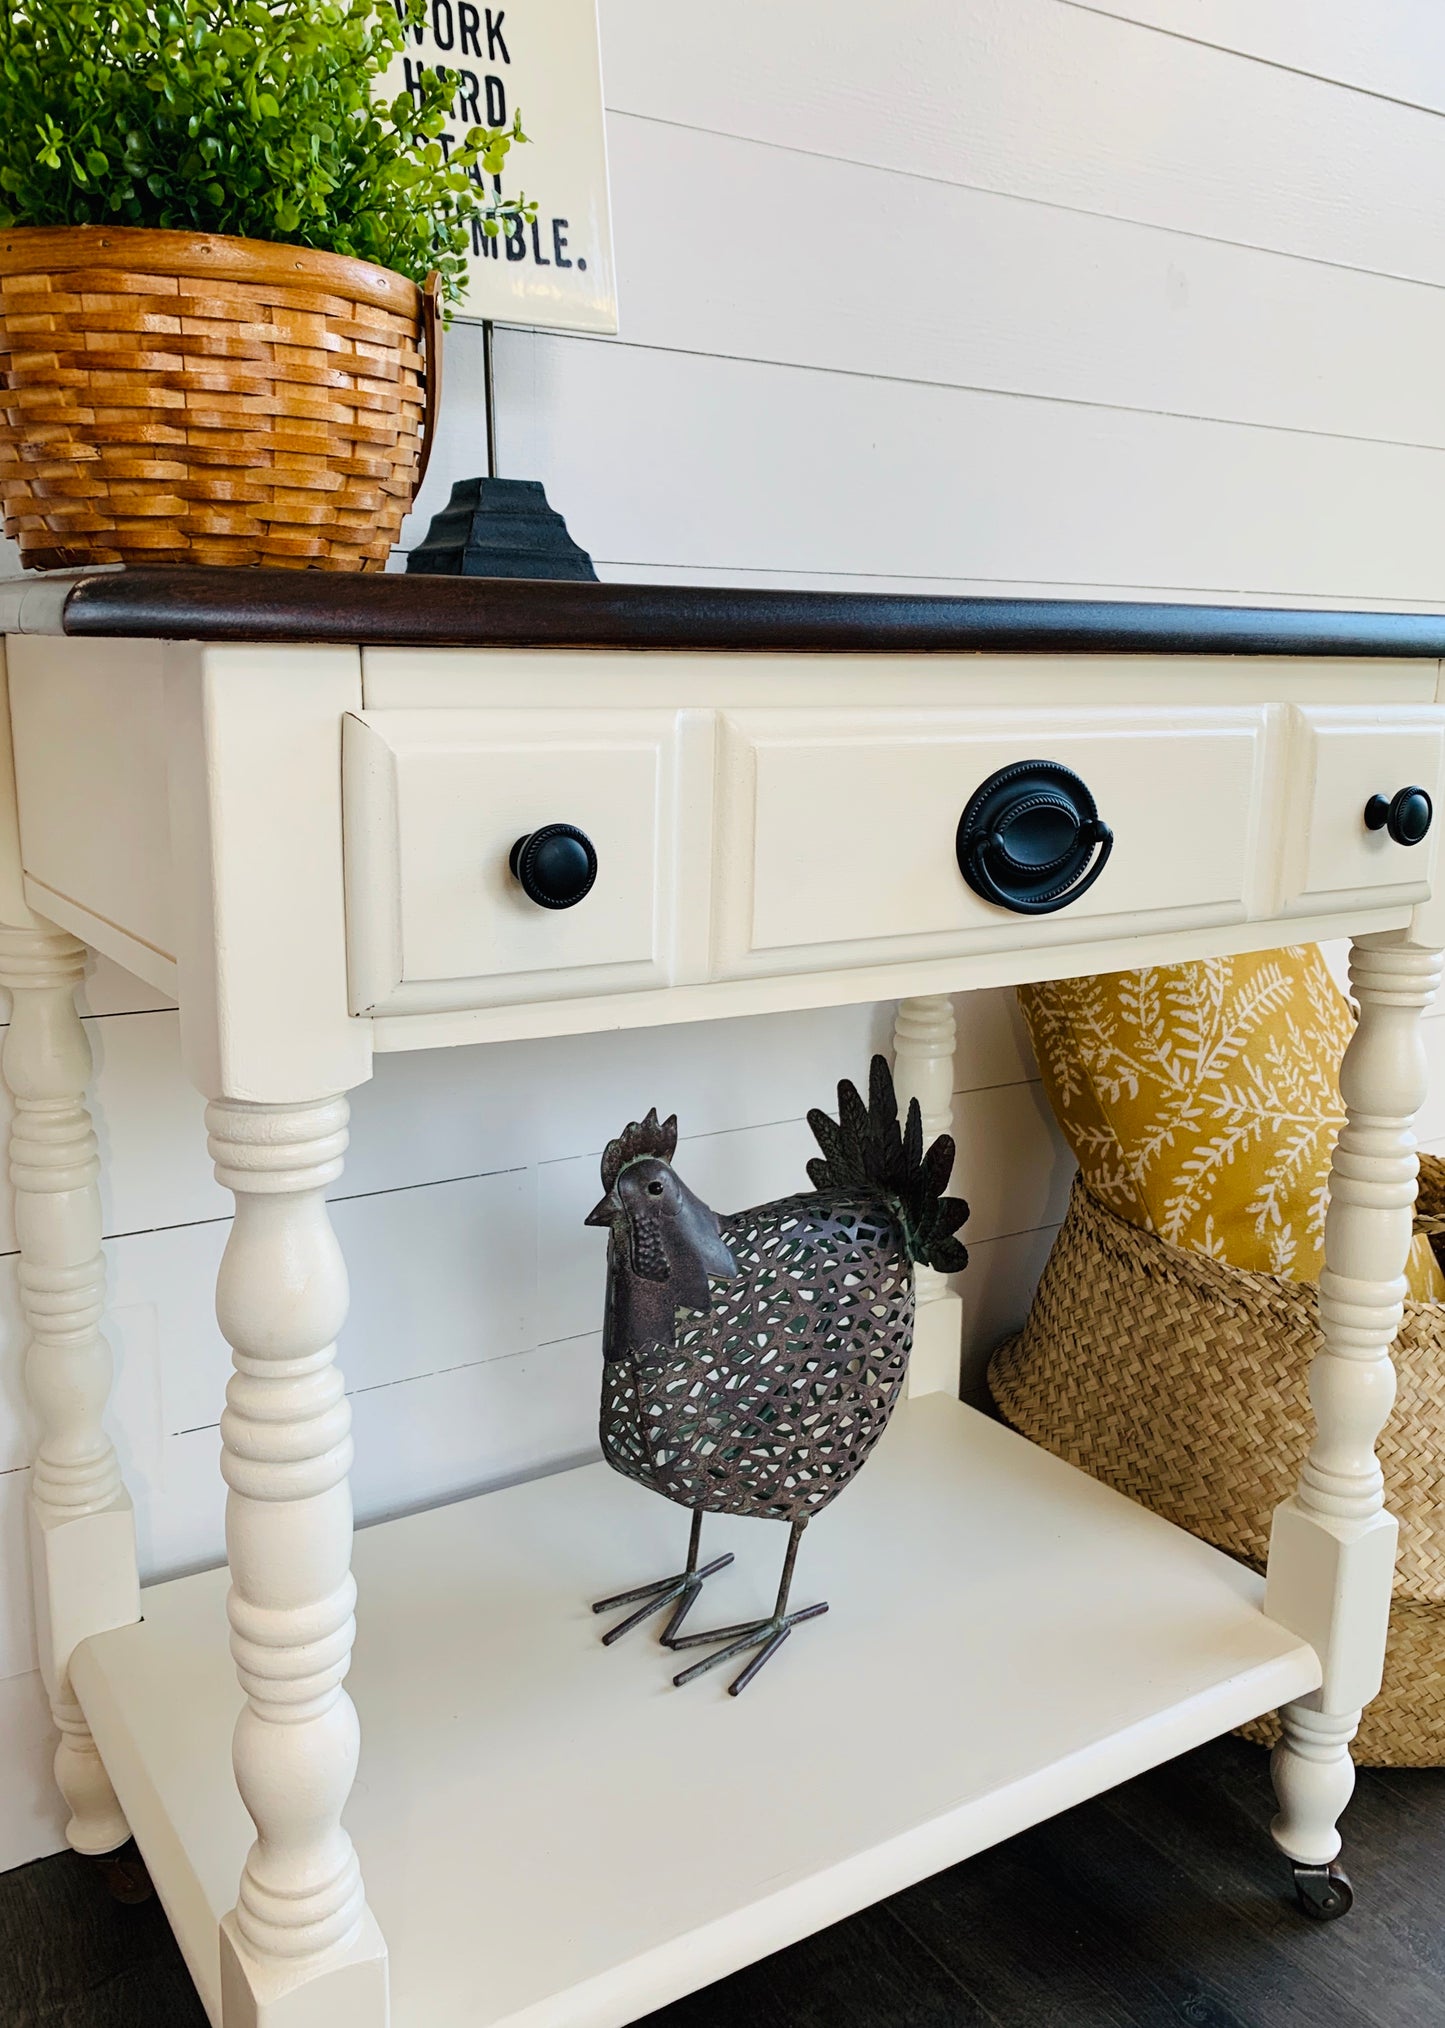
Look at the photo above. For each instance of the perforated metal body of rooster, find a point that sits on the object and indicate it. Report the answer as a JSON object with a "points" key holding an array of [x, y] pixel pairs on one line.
{"points": [[752, 1362]]}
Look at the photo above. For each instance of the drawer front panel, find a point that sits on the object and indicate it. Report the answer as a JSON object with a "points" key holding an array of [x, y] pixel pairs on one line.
{"points": [[1343, 756], [434, 801], [837, 832]]}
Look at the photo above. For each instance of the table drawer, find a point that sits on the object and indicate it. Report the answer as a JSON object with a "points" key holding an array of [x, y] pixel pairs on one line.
{"points": [[433, 802], [1342, 758], [837, 831]]}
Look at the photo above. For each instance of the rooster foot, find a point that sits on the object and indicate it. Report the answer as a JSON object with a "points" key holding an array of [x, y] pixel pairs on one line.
{"points": [[767, 1636], [683, 1588]]}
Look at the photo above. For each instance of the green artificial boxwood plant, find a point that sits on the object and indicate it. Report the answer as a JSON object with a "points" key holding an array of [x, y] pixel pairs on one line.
{"points": [[255, 118]]}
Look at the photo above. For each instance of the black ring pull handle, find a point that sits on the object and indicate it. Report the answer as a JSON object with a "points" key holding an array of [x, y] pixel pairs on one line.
{"points": [[1031, 839], [555, 866], [1407, 815]]}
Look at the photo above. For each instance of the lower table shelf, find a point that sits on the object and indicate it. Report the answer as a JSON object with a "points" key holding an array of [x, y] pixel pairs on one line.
{"points": [[554, 1837]]}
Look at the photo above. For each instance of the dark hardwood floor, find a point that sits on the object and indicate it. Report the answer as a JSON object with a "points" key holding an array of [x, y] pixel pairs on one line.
{"points": [[1160, 1904]]}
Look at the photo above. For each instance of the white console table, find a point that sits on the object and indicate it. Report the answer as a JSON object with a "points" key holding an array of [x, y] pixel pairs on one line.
{"points": [[290, 800]]}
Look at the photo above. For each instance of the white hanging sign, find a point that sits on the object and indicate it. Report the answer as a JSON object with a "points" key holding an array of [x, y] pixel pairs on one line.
{"points": [[540, 57]]}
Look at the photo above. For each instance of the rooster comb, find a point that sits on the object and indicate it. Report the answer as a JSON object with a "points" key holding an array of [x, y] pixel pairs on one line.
{"points": [[642, 1137]]}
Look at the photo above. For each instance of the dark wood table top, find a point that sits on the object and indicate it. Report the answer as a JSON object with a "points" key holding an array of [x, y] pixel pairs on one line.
{"points": [[399, 611]]}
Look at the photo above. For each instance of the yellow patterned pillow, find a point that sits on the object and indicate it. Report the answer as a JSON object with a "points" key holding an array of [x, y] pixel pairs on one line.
{"points": [[1202, 1102]]}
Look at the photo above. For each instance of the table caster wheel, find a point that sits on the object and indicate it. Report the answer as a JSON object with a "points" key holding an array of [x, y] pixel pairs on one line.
{"points": [[1324, 1892], [124, 1873]]}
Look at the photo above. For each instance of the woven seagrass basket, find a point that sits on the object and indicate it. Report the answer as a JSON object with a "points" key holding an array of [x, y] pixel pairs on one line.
{"points": [[176, 397], [1182, 1382]]}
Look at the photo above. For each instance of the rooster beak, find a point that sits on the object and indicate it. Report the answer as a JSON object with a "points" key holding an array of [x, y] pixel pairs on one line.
{"points": [[606, 1211]]}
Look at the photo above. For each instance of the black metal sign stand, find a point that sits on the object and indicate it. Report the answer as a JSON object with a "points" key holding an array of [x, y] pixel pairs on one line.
{"points": [[494, 527]]}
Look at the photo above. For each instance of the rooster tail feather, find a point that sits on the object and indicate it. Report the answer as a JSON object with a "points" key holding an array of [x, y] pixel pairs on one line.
{"points": [[865, 1149], [828, 1135], [913, 1139]]}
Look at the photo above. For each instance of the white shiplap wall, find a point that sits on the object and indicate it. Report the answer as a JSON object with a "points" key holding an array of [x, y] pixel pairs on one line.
{"points": [[955, 294]]}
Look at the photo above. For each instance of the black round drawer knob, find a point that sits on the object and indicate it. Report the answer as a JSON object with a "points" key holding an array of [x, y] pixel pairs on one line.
{"points": [[555, 865], [1407, 815], [1032, 839]]}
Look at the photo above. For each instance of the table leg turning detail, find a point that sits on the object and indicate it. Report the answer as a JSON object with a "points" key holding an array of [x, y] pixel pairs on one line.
{"points": [[300, 1946], [924, 1045], [1332, 1550], [82, 1528]]}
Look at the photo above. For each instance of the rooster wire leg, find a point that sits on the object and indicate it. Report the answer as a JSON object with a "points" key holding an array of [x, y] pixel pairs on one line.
{"points": [[684, 1588], [767, 1636]]}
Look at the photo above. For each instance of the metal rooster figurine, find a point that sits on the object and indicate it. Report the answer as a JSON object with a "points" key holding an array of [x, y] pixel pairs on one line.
{"points": [[752, 1362]]}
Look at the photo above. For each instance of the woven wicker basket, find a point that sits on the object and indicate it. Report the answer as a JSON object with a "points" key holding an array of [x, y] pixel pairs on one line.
{"points": [[1182, 1382], [174, 397]]}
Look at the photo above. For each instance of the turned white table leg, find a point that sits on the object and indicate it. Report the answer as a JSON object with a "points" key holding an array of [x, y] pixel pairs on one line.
{"points": [[1332, 1553], [924, 1036], [82, 1530], [300, 1948]]}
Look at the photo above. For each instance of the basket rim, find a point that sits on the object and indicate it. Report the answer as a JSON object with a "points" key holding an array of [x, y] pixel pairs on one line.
{"points": [[1205, 1270], [57, 249]]}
